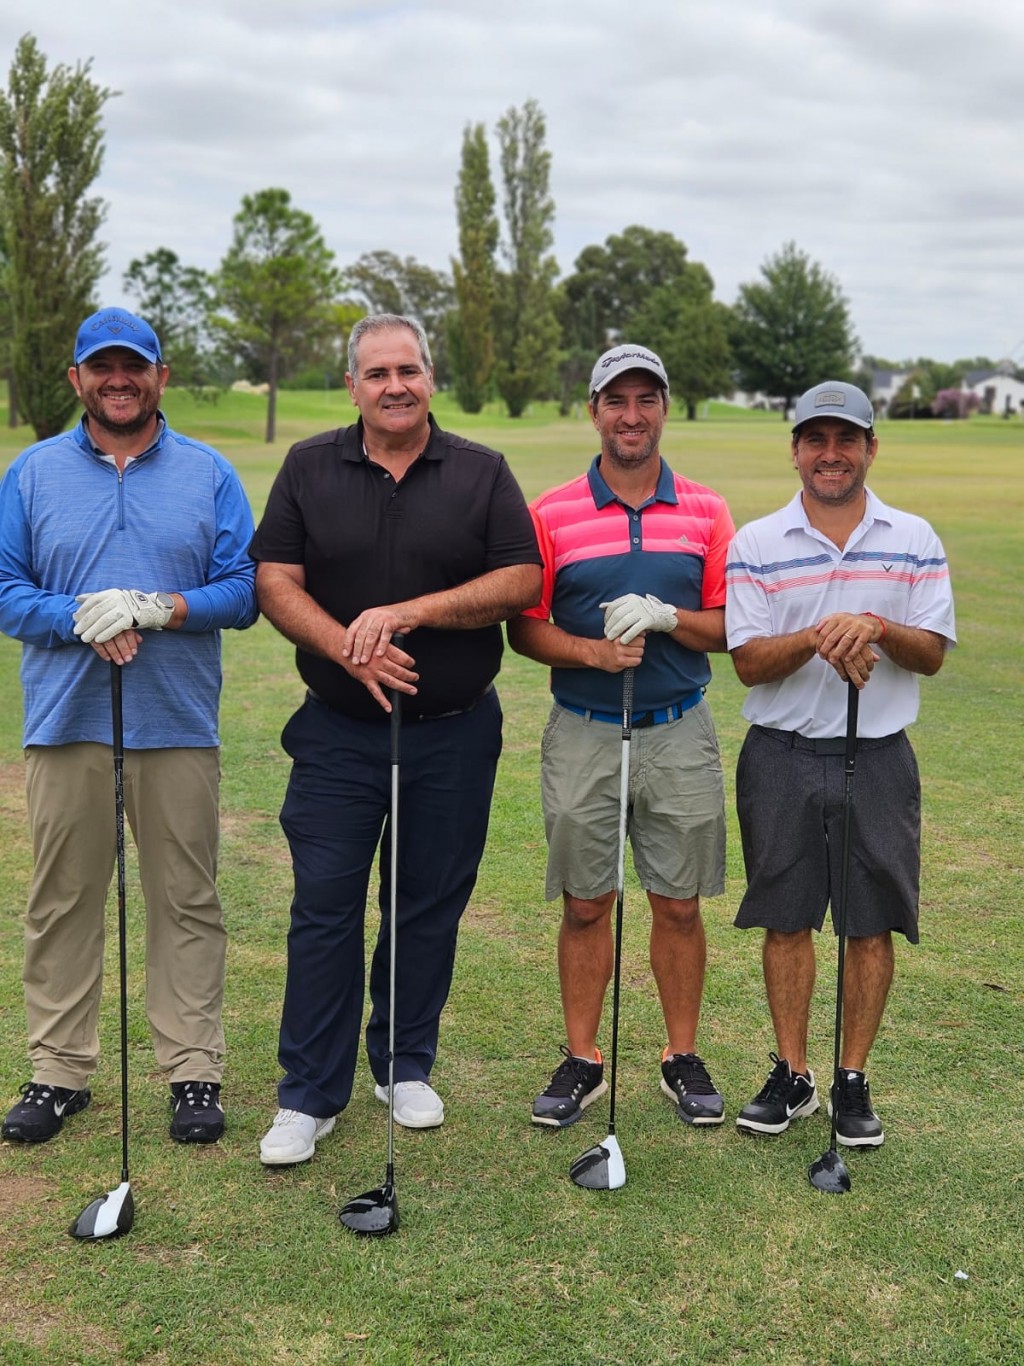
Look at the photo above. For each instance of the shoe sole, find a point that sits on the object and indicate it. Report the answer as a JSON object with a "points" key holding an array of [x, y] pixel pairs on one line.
{"points": [[432, 1120], [292, 1160], [867, 1141], [11, 1136], [757, 1126], [550, 1122], [690, 1119], [198, 1135]]}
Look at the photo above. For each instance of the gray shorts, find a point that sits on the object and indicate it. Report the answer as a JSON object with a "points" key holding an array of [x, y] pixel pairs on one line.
{"points": [[676, 814], [790, 806]]}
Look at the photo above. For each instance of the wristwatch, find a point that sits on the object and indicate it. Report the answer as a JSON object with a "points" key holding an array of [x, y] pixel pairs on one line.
{"points": [[165, 601]]}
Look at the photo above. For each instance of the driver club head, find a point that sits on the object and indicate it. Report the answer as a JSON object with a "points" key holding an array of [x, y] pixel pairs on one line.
{"points": [[373, 1214], [109, 1216], [600, 1168], [829, 1174]]}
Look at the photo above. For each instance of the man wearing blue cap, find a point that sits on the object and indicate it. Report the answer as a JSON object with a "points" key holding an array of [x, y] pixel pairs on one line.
{"points": [[122, 500], [834, 588]]}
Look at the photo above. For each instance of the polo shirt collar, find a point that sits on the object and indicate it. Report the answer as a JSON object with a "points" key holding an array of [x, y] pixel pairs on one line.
{"points": [[665, 492], [352, 442], [796, 519]]}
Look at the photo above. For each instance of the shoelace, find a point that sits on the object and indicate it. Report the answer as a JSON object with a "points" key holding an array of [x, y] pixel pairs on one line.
{"points": [[37, 1092], [569, 1074], [853, 1095], [689, 1069], [778, 1083], [284, 1119], [198, 1095]]}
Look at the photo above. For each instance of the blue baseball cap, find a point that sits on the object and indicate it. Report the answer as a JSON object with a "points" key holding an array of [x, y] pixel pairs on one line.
{"points": [[116, 327]]}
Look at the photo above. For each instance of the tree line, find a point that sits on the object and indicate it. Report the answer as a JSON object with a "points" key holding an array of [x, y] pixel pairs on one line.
{"points": [[279, 309]]}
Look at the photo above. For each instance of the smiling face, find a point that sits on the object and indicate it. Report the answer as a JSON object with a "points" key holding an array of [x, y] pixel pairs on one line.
{"points": [[392, 386], [832, 458], [119, 389], [629, 414]]}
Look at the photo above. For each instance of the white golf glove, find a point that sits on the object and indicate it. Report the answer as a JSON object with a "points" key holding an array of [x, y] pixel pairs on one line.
{"points": [[104, 615], [629, 616]]}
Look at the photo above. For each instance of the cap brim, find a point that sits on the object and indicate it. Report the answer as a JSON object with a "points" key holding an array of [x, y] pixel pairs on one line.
{"points": [[119, 346]]}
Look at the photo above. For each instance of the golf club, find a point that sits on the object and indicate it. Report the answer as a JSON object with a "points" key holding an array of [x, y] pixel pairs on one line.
{"points": [[602, 1168], [112, 1214], [375, 1212], [829, 1172]]}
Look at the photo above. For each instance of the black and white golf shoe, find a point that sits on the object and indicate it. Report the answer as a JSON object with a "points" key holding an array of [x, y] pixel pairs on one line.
{"points": [[198, 1117], [41, 1112], [685, 1079], [785, 1095], [576, 1083], [857, 1125]]}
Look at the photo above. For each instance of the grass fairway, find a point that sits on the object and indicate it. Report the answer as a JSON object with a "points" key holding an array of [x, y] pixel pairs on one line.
{"points": [[717, 1249]]}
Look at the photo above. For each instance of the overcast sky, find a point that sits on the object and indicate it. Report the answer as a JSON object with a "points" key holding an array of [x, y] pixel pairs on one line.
{"points": [[884, 138]]}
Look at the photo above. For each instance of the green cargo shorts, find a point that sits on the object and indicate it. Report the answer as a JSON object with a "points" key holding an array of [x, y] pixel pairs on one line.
{"points": [[676, 813]]}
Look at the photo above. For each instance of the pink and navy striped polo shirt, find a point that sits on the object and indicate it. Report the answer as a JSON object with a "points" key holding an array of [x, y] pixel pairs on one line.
{"points": [[596, 548]]}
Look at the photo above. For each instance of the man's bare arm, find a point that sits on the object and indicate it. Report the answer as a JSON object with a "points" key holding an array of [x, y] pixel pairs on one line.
{"points": [[911, 647], [703, 631], [483, 601], [549, 644], [283, 600], [767, 659]]}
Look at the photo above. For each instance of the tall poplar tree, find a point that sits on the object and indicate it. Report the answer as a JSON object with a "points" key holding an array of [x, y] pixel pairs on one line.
{"points": [[277, 284], [526, 325], [51, 150], [471, 325]]}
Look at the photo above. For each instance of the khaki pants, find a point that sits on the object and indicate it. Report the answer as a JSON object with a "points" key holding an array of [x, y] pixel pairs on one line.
{"points": [[171, 802]]}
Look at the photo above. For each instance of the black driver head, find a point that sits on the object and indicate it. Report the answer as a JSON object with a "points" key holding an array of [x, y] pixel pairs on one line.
{"points": [[373, 1214], [829, 1174]]}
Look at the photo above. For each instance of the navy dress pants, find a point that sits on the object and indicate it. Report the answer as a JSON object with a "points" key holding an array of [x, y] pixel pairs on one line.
{"points": [[336, 814]]}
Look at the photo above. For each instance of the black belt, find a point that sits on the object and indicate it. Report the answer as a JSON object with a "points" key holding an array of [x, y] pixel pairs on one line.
{"points": [[792, 739], [428, 716]]}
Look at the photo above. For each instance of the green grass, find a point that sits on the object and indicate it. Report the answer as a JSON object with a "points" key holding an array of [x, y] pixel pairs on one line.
{"points": [[717, 1249]]}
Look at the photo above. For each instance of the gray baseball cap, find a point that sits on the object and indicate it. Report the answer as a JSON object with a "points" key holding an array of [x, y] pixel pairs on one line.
{"points": [[835, 399], [622, 358]]}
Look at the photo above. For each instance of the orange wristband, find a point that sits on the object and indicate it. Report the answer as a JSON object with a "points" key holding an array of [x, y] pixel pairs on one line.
{"points": [[880, 622]]}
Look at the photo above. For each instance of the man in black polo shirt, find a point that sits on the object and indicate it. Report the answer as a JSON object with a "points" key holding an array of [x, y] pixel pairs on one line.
{"points": [[390, 526]]}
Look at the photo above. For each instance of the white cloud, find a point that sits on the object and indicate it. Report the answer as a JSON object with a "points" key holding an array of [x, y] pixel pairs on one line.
{"points": [[883, 139]]}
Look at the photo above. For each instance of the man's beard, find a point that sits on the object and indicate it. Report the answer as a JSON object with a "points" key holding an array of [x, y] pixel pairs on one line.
{"points": [[98, 416], [630, 459]]}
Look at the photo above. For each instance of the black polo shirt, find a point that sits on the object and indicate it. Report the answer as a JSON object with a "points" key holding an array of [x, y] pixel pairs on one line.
{"points": [[364, 541]]}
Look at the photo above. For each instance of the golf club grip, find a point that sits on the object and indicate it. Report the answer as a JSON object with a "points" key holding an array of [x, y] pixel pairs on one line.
{"points": [[852, 706], [628, 677], [395, 698]]}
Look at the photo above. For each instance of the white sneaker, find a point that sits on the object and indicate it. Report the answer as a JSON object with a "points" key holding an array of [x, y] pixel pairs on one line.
{"points": [[292, 1137], [417, 1105]]}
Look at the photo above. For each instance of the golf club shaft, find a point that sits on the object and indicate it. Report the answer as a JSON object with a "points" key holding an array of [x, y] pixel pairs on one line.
{"points": [[395, 699], [117, 720], [852, 701], [620, 880]]}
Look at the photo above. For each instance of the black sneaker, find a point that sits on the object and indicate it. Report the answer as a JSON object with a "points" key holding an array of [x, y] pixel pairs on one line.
{"points": [[685, 1079], [857, 1125], [785, 1095], [576, 1083], [198, 1117], [41, 1112]]}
